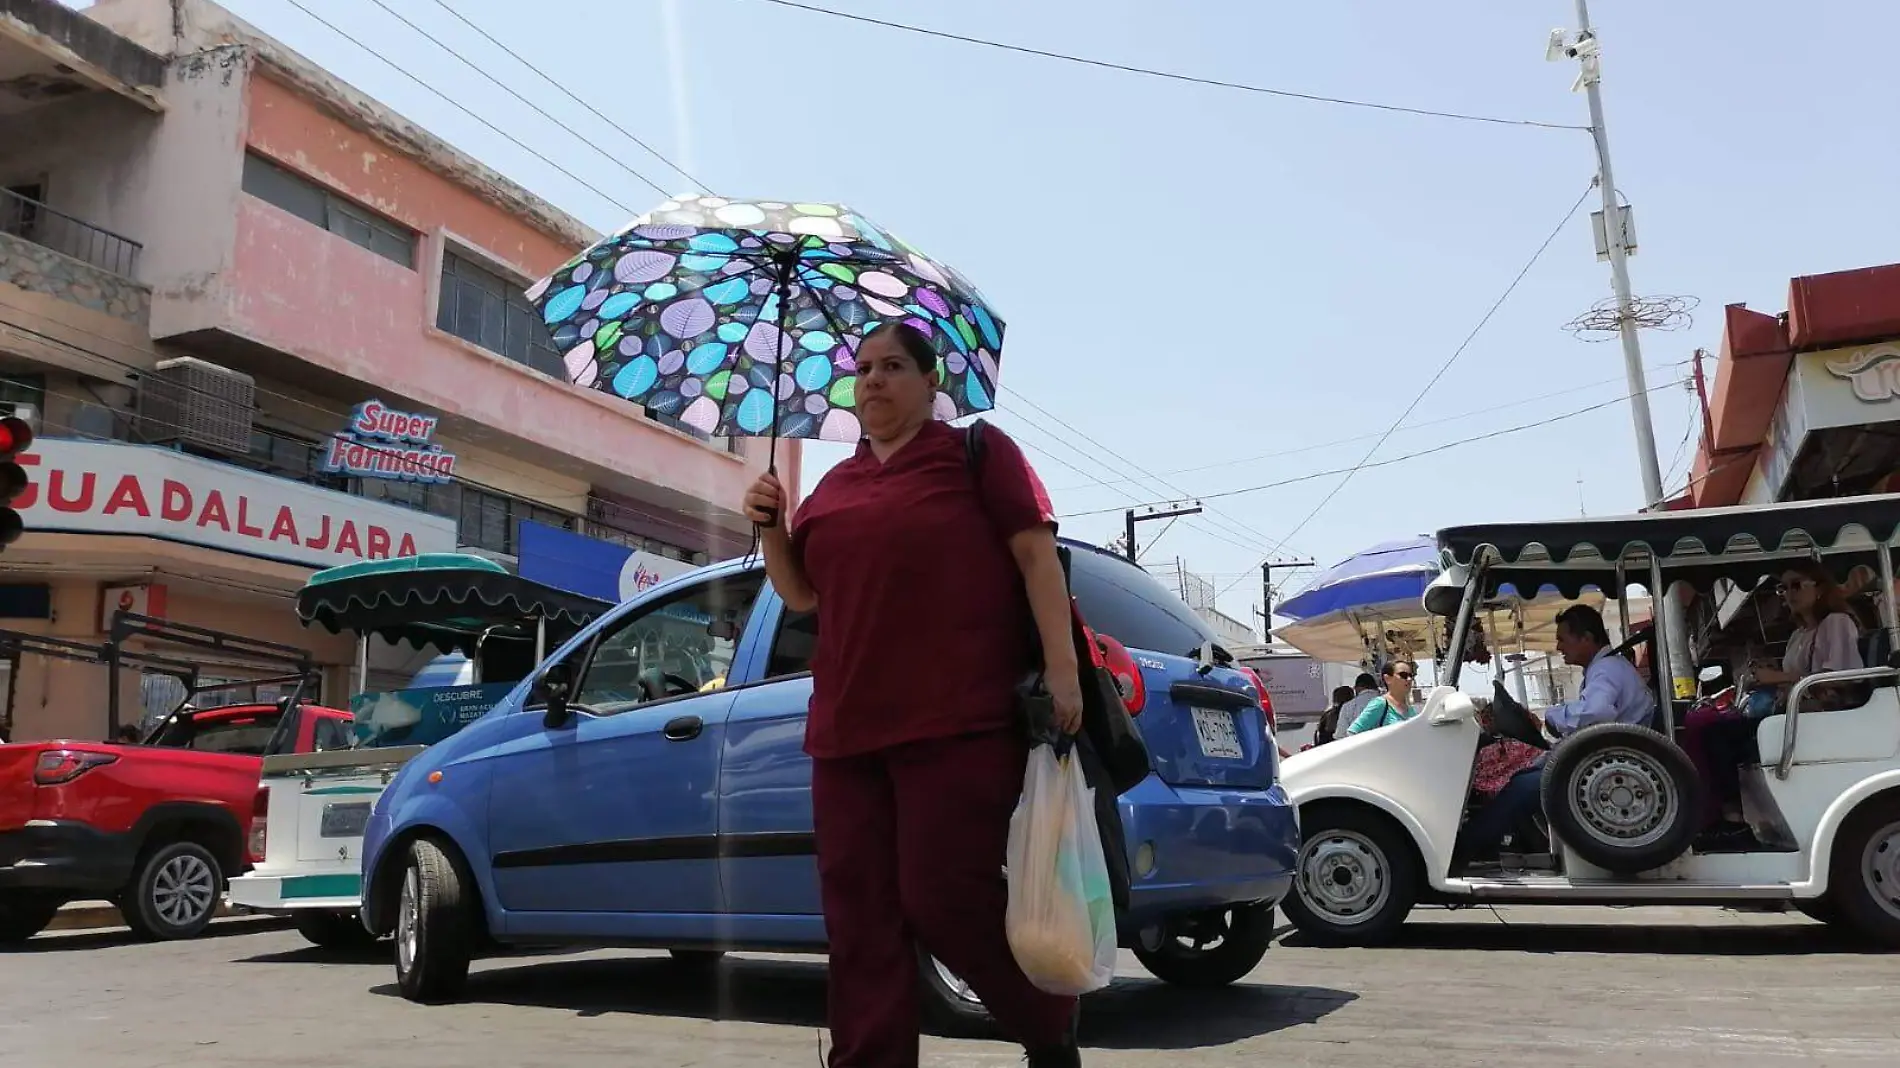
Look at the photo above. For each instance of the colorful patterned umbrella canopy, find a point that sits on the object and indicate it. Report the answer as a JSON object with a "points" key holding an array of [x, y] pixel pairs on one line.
{"points": [[742, 318]]}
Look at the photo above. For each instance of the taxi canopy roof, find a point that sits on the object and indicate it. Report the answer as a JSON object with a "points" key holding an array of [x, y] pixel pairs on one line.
{"points": [[445, 600], [1738, 544]]}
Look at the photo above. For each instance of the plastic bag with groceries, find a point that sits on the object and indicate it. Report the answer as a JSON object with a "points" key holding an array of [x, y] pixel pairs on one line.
{"points": [[1061, 915]]}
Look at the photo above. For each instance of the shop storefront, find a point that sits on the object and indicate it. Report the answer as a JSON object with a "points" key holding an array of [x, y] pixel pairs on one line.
{"points": [[116, 526], [1836, 431], [592, 567]]}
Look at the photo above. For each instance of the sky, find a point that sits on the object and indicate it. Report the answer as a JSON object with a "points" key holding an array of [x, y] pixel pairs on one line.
{"points": [[1225, 289]]}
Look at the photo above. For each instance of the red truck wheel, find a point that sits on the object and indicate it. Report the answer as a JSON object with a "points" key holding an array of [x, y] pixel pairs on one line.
{"points": [[174, 893]]}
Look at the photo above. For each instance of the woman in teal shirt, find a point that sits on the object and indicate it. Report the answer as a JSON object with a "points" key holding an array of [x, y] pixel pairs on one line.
{"points": [[1392, 706]]}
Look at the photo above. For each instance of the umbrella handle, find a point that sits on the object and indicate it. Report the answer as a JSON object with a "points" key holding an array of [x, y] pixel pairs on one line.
{"points": [[771, 468]]}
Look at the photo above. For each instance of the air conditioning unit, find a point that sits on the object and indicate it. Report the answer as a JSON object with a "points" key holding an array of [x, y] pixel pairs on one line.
{"points": [[189, 401]]}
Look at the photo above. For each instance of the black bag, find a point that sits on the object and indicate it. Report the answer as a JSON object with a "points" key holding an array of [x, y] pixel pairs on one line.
{"points": [[1110, 748]]}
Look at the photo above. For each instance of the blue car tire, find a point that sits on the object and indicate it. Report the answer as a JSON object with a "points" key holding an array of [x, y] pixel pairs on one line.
{"points": [[435, 926], [1227, 944]]}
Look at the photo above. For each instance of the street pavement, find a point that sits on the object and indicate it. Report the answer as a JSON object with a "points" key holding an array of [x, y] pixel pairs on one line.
{"points": [[1518, 987]]}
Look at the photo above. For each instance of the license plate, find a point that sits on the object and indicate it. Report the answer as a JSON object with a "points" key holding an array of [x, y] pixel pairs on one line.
{"points": [[1219, 737], [345, 821]]}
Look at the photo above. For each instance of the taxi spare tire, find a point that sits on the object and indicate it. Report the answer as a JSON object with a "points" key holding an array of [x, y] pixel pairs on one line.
{"points": [[1623, 798]]}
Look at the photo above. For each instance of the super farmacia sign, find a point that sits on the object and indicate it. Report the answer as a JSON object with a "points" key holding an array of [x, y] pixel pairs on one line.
{"points": [[382, 442]]}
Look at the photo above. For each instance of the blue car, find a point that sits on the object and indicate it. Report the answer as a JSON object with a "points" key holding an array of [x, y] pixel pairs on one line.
{"points": [[666, 803]]}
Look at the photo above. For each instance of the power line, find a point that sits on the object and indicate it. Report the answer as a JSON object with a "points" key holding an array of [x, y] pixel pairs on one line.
{"points": [[1262, 487], [1232, 526], [563, 90], [1217, 83], [1419, 396], [321, 435], [1321, 446], [466, 110], [1124, 494], [511, 91]]}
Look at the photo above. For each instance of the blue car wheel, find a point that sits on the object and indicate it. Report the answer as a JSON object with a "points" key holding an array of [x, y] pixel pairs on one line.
{"points": [[1207, 949]]}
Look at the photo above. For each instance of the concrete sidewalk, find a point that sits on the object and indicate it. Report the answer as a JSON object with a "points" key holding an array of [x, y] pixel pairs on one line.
{"points": [[98, 915]]}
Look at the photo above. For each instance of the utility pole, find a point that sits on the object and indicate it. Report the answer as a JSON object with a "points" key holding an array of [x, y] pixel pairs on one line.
{"points": [[1266, 588], [1133, 517], [1616, 229]]}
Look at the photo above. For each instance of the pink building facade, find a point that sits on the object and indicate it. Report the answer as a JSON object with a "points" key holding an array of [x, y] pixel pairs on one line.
{"points": [[215, 259]]}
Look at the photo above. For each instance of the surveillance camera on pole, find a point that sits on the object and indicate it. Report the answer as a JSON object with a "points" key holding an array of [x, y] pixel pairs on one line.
{"points": [[1586, 50]]}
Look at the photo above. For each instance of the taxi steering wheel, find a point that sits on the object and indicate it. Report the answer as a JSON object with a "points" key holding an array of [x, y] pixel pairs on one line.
{"points": [[1512, 720]]}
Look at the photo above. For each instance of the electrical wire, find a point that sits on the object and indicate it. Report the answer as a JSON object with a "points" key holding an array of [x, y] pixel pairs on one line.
{"points": [[1321, 446], [322, 435], [1419, 396], [564, 90], [1520, 428], [1217, 83], [1230, 526], [1123, 494], [466, 110]]}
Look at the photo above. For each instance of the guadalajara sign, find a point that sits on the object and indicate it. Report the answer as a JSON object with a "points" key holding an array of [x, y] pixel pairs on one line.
{"points": [[94, 487]]}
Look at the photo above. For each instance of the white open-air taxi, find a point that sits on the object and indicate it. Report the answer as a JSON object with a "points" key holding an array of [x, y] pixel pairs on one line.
{"points": [[1380, 811]]}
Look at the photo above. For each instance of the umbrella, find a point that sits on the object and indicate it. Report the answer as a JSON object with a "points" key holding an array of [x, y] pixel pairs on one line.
{"points": [[743, 317], [1390, 576], [1374, 599]]}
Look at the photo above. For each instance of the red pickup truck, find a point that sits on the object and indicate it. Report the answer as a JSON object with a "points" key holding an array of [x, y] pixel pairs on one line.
{"points": [[155, 828]]}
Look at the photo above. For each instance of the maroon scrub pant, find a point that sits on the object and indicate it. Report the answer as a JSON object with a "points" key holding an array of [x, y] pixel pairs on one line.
{"points": [[911, 844]]}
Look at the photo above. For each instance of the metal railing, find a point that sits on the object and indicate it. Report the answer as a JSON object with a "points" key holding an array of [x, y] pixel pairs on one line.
{"points": [[33, 221], [1800, 689]]}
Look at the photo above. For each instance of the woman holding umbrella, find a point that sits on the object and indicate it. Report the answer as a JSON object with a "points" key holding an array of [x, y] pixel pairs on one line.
{"points": [[918, 569]]}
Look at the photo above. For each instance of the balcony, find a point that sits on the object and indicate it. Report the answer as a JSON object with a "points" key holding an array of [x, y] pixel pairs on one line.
{"points": [[43, 250]]}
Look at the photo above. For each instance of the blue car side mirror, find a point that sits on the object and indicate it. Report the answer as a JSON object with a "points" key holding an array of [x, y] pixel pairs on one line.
{"points": [[552, 690]]}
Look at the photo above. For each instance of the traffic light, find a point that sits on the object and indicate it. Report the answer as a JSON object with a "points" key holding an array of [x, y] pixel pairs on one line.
{"points": [[16, 435]]}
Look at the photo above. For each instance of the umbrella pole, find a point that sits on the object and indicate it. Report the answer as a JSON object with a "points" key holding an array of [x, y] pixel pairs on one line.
{"points": [[782, 290]]}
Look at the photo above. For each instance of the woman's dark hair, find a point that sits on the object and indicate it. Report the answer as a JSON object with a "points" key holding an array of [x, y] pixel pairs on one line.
{"points": [[1585, 622], [911, 340], [1342, 694], [1829, 598]]}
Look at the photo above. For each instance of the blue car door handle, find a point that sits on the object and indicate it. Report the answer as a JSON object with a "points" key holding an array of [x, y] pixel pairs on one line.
{"points": [[683, 728]]}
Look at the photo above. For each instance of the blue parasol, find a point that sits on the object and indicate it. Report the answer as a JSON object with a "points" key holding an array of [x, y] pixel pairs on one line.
{"points": [[1392, 575]]}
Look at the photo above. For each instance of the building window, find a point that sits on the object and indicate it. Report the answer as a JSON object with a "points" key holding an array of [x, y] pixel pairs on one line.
{"points": [[489, 520], [289, 457], [17, 389], [435, 498], [318, 206], [486, 309]]}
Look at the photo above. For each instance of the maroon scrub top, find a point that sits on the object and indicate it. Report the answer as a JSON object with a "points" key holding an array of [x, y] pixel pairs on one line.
{"points": [[923, 626]]}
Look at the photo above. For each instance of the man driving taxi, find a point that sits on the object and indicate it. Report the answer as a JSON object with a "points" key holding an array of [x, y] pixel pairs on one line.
{"points": [[1613, 692]]}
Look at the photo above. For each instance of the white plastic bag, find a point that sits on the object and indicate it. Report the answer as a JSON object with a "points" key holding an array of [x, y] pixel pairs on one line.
{"points": [[1061, 916]]}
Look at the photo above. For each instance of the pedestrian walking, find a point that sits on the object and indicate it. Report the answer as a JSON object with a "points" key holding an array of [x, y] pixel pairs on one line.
{"points": [[1365, 690], [1328, 726], [918, 568], [1392, 706]]}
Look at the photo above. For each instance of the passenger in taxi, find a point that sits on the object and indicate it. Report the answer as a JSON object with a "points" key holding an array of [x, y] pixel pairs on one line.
{"points": [[1826, 638], [1613, 692]]}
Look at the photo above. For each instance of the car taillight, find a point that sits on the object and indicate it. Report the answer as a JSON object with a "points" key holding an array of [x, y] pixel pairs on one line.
{"points": [[1127, 674], [58, 766], [1266, 701], [260, 825]]}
